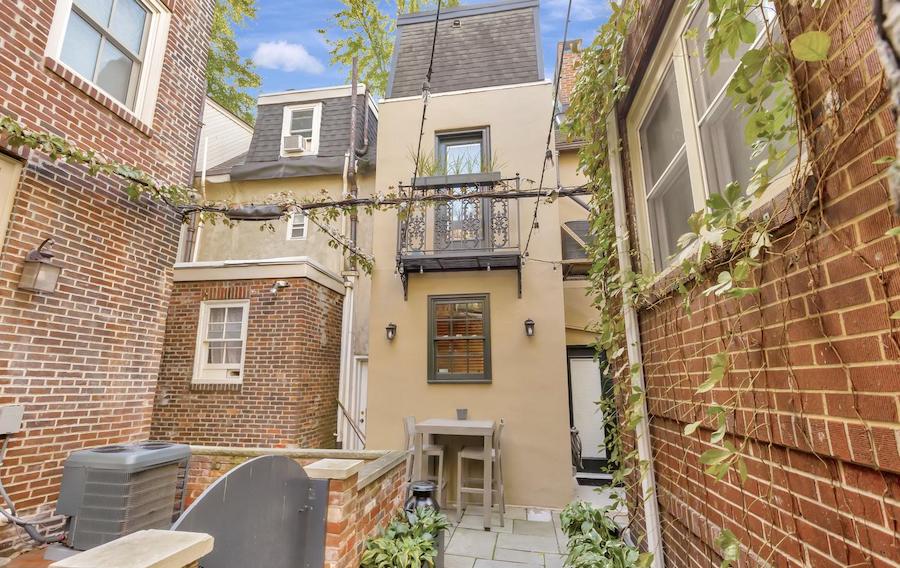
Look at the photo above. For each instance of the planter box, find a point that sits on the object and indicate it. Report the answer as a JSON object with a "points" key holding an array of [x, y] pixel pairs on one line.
{"points": [[455, 180]]}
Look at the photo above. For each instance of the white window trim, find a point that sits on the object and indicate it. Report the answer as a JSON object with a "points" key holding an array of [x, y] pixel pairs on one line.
{"points": [[316, 128], [671, 52], [201, 348], [290, 227], [10, 170], [147, 87]]}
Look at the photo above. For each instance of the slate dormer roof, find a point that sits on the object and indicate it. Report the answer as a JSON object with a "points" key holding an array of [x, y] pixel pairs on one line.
{"points": [[264, 160], [478, 45]]}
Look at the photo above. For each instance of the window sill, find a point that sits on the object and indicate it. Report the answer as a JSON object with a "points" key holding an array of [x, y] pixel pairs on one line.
{"points": [[783, 208], [93, 92], [223, 386], [459, 381]]}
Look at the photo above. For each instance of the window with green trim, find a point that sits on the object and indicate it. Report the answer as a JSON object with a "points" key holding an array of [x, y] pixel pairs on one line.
{"points": [[459, 347]]}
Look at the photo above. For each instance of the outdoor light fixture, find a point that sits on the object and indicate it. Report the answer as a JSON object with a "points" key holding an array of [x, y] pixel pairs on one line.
{"points": [[529, 327], [39, 275], [391, 331], [278, 285]]}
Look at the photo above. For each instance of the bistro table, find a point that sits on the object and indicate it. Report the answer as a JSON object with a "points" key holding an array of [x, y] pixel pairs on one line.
{"points": [[448, 427]]}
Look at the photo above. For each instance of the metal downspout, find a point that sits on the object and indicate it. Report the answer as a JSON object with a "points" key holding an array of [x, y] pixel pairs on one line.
{"points": [[633, 342], [346, 363]]}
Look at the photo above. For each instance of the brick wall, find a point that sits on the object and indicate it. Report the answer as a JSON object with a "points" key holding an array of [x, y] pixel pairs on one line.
{"points": [[821, 419], [569, 69], [356, 510], [289, 392], [84, 360]]}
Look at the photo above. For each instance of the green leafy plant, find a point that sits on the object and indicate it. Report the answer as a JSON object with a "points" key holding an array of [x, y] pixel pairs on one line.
{"points": [[409, 541], [595, 540]]}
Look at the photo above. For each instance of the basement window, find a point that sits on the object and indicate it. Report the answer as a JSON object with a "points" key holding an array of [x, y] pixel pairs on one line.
{"points": [[459, 347], [221, 341]]}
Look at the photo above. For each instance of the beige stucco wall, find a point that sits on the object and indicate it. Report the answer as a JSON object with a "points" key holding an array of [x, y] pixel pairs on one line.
{"points": [[529, 388], [252, 241]]}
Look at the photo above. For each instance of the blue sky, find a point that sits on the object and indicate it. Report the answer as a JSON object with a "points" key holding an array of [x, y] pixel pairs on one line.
{"points": [[291, 54]]}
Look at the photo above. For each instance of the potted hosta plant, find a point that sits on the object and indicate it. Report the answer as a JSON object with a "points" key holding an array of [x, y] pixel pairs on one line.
{"points": [[412, 540]]}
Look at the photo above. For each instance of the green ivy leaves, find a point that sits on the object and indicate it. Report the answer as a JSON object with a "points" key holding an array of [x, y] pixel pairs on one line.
{"points": [[811, 46], [729, 546]]}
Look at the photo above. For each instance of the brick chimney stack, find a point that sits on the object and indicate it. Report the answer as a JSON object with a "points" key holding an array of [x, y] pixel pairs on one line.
{"points": [[569, 66]]}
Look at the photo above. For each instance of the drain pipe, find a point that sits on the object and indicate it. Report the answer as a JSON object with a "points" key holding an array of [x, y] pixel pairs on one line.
{"points": [[633, 341], [350, 274]]}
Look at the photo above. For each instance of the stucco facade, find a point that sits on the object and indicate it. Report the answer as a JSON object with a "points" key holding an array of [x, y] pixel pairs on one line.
{"points": [[528, 388]]}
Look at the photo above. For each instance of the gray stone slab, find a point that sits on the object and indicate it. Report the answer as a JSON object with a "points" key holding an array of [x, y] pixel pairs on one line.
{"points": [[477, 522], [528, 543], [453, 561], [482, 563], [511, 512], [477, 543], [554, 560], [534, 528], [520, 556]]}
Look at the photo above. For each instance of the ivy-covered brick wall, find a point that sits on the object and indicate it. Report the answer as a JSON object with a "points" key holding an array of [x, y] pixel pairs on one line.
{"points": [[813, 356], [84, 360]]}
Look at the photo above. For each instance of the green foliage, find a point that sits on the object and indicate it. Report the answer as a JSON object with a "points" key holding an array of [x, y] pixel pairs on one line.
{"points": [[228, 75], [811, 46], [365, 28], [595, 540], [406, 542], [730, 548]]}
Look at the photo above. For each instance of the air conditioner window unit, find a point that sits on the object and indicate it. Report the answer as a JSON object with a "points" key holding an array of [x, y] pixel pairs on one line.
{"points": [[112, 491], [295, 143]]}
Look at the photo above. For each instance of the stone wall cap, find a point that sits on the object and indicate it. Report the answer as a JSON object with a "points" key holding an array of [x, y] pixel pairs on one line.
{"points": [[150, 548], [334, 469]]}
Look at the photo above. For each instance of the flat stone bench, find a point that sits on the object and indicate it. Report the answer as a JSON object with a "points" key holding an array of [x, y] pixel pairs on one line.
{"points": [[145, 549]]}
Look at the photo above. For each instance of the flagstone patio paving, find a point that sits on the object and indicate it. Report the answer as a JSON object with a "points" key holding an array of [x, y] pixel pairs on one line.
{"points": [[530, 537]]}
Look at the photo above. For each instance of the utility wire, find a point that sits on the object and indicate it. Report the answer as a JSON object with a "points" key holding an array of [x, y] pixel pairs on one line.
{"points": [[547, 154], [426, 95]]}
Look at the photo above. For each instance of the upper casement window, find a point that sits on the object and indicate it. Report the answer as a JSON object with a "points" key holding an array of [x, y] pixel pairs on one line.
{"points": [[297, 226], [221, 341], [116, 45], [300, 129], [689, 134]]}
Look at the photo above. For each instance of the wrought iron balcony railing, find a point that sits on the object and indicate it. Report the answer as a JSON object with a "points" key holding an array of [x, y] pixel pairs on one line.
{"points": [[459, 222]]}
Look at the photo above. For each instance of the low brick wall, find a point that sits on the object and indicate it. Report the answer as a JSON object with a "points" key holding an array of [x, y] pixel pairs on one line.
{"points": [[361, 506], [361, 502]]}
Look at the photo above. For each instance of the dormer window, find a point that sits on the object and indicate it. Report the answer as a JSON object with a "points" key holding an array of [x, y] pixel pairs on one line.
{"points": [[300, 131]]}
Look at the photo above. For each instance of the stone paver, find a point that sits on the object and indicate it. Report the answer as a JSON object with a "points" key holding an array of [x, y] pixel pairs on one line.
{"points": [[475, 543], [528, 543], [453, 561], [482, 563], [532, 558], [473, 522], [534, 528], [554, 560]]}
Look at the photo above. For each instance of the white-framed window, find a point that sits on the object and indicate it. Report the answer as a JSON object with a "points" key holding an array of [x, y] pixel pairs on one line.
{"points": [[297, 226], [301, 122], [689, 135], [117, 45], [221, 341]]}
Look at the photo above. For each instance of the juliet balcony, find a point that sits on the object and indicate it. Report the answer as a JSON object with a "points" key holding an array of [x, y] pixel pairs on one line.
{"points": [[460, 222]]}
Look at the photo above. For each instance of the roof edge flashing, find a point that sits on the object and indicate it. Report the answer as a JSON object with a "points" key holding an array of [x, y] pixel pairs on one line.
{"points": [[467, 10]]}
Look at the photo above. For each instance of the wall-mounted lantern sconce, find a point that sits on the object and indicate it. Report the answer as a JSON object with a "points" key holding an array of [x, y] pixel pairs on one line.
{"points": [[391, 331], [529, 327], [38, 274]]}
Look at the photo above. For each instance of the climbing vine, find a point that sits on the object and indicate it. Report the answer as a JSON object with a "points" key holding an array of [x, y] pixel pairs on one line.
{"points": [[730, 240]]}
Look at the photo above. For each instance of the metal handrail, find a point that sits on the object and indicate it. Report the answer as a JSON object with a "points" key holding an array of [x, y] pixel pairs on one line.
{"points": [[356, 430]]}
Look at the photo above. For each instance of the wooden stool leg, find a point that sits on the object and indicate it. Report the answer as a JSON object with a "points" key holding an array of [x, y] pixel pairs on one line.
{"points": [[459, 483], [440, 480]]}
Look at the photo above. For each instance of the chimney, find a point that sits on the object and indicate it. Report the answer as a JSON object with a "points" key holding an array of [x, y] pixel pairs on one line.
{"points": [[569, 63]]}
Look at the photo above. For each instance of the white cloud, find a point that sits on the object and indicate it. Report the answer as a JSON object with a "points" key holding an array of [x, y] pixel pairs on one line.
{"points": [[582, 10], [286, 56]]}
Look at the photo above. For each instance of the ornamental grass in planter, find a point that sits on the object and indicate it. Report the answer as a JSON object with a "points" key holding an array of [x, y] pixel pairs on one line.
{"points": [[412, 540], [596, 541]]}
